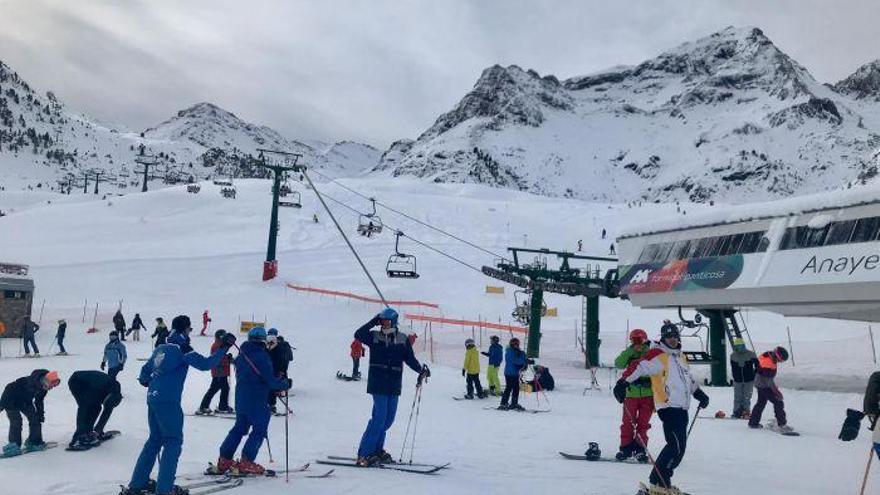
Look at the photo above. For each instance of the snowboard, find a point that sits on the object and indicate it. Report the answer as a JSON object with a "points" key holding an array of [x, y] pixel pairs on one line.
{"points": [[455, 397], [576, 457], [346, 378], [108, 435], [531, 411], [406, 468], [646, 490], [49, 445], [772, 426]]}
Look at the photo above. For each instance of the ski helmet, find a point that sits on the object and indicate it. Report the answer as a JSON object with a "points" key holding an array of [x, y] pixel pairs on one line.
{"points": [[514, 342], [389, 314], [51, 379], [593, 453], [495, 338], [781, 353], [739, 344], [469, 342], [638, 336], [669, 330], [272, 331], [114, 335], [181, 323], [219, 334], [257, 334]]}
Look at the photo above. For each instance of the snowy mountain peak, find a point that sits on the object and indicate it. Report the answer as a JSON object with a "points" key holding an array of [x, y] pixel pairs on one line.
{"points": [[502, 95], [864, 83]]}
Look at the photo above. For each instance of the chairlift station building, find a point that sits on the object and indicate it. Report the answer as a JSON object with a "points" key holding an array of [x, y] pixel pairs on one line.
{"points": [[16, 298]]}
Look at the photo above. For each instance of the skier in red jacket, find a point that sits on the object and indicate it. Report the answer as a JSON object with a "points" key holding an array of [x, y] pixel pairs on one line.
{"points": [[357, 352], [205, 320]]}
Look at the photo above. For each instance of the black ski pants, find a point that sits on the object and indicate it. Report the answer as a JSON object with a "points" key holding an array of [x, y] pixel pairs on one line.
{"points": [[355, 366], [218, 384], [91, 404], [35, 430], [511, 391], [675, 422], [114, 371], [473, 381], [766, 395]]}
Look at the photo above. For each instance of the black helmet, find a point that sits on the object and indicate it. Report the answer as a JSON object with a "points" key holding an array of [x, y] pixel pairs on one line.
{"points": [[180, 323], [219, 334], [781, 353], [669, 329]]}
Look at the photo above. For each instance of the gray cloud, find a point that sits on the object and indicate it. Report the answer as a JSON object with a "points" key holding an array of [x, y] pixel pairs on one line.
{"points": [[373, 70]]}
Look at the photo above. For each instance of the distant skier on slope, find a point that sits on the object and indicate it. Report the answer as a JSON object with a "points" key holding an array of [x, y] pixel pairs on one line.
{"points": [[254, 379], [28, 336], [542, 380], [389, 349], [743, 365], [767, 389], [219, 379], [205, 321], [672, 385], [164, 375], [136, 325], [96, 394], [638, 406], [115, 355], [59, 336], [119, 324], [496, 356], [357, 352], [24, 397], [161, 333], [515, 362]]}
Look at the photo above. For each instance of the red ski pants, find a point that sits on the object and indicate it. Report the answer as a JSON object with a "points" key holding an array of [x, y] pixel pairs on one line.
{"points": [[636, 420]]}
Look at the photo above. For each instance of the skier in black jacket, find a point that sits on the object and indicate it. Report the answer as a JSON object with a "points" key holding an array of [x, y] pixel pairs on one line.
{"points": [[96, 393], [59, 336], [24, 397], [119, 324], [136, 325], [281, 355], [161, 333]]}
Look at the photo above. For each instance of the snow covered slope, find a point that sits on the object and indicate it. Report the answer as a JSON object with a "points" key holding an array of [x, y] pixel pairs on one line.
{"points": [[168, 252], [43, 143], [727, 117]]}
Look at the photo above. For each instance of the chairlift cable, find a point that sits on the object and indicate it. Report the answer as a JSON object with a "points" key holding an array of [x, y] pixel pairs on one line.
{"points": [[342, 233], [420, 222]]}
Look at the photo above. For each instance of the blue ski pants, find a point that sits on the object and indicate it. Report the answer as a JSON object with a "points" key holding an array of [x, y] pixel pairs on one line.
{"points": [[166, 435], [384, 411], [258, 424]]}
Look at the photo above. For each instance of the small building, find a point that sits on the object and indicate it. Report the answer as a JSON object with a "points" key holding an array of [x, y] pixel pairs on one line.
{"points": [[16, 298]]}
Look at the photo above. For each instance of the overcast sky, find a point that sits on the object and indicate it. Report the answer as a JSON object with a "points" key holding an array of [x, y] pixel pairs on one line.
{"points": [[374, 70]]}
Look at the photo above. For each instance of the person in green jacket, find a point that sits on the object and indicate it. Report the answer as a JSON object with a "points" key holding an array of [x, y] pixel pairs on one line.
{"points": [[639, 403], [471, 370]]}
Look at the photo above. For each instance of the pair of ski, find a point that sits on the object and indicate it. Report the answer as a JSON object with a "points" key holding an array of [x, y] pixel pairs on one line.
{"points": [[416, 468], [269, 473], [531, 411]]}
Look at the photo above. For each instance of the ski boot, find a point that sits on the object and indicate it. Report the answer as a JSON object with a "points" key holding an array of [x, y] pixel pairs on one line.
{"points": [[517, 407], [11, 449], [247, 467], [469, 396], [755, 426], [503, 407], [177, 490], [593, 453], [204, 411], [641, 455], [483, 395], [368, 461], [62, 354], [625, 452], [228, 410], [384, 457], [746, 414], [30, 446], [784, 429]]}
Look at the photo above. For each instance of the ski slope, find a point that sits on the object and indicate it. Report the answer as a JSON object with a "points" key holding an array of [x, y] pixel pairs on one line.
{"points": [[167, 252]]}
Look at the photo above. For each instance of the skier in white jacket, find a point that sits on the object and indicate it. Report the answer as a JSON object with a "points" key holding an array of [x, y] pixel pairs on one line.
{"points": [[673, 386]]}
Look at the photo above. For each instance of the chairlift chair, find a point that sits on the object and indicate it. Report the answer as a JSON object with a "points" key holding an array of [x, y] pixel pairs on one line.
{"points": [[370, 223], [401, 265], [193, 188], [293, 202]]}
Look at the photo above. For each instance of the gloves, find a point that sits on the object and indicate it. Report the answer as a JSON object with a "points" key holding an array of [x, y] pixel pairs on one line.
{"points": [[229, 356], [144, 383], [103, 365], [530, 361], [289, 383], [851, 425], [228, 341], [620, 390], [426, 373], [702, 398], [463, 372], [485, 353]]}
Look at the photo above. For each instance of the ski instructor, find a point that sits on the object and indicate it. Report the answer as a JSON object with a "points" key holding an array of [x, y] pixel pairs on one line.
{"points": [[389, 349], [164, 375]]}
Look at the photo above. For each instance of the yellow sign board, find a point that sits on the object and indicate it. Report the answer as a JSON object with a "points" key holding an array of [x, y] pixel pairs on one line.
{"points": [[551, 312], [247, 325], [491, 289]]}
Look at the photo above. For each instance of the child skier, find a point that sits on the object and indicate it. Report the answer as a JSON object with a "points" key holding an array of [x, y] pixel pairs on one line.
{"points": [[119, 324], [673, 386], [136, 325], [389, 349], [638, 406], [219, 379], [161, 332], [59, 337], [357, 352], [515, 362], [24, 397], [496, 356], [254, 379], [542, 381], [471, 370], [743, 365], [96, 394], [114, 355], [164, 375], [768, 391]]}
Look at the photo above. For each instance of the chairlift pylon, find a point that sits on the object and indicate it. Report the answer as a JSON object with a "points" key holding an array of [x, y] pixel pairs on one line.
{"points": [[370, 223], [401, 265]]}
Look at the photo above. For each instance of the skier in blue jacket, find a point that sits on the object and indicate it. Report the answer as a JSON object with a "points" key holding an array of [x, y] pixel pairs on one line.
{"points": [[115, 355], [514, 363], [254, 378], [495, 355], [164, 375], [389, 349]]}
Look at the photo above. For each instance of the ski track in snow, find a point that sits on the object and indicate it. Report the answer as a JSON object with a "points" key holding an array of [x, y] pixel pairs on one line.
{"points": [[167, 252]]}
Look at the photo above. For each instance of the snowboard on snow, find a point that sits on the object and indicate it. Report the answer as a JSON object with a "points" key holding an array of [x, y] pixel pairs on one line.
{"points": [[649, 490], [346, 378], [49, 445], [108, 435], [578, 457], [772, 426], [455, 397], [531, 411], [403, 467]]}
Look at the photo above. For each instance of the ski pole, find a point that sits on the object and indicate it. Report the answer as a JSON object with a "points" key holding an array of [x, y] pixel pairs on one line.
{"points": [[867, 470], [412, 446], [694, 421], [269, 448], [286, 441], [409, 422]]}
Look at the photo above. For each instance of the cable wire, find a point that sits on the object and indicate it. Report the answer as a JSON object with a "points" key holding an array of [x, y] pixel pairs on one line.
{"points": [[420, 222]]}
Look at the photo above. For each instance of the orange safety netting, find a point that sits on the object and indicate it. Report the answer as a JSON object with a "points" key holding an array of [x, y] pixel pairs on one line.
{"points": [[466, 323], [360, 298]]}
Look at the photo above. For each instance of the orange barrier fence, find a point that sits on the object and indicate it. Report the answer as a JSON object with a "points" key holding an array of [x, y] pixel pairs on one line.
{"points": [[357, 297], [466, 323]]}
